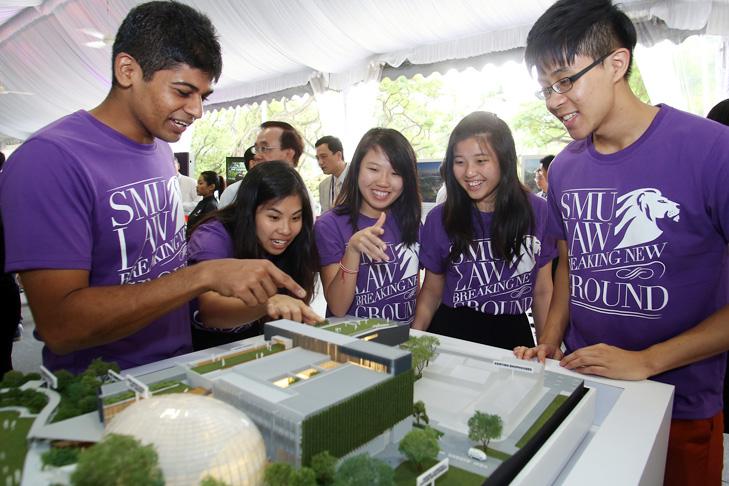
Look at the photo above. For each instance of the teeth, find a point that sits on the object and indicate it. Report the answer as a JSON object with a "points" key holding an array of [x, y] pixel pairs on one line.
{"points": [[181, 123], [279, 242], [569, 117], [380, 194], [475, 183]]}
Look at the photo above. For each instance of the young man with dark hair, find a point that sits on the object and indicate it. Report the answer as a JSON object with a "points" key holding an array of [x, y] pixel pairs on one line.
{"points": [[330, 155], [103, 260], [640, 206]]}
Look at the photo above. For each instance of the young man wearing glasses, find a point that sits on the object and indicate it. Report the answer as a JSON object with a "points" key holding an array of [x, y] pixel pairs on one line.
{"points": [[277, 140], [639, 205]]}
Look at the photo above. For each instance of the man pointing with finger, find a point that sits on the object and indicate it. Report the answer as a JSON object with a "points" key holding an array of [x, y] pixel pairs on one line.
{"points": [[104, 261]]}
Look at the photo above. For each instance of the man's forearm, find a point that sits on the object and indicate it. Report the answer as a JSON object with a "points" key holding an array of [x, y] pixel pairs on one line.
{"points": [[92, 316]]}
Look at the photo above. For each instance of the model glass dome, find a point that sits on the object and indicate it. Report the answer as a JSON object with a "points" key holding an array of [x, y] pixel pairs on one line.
{"points": [[196, 437]]}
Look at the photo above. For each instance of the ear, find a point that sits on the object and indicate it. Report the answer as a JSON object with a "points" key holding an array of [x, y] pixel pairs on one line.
{"points": [[619, 60], [126, 70], [291, 154]]}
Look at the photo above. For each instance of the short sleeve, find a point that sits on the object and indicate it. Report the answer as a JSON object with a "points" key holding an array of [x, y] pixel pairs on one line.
{"points": [[715, 180], [330, 241], [47, 202], [433, 251], [210, 241]]}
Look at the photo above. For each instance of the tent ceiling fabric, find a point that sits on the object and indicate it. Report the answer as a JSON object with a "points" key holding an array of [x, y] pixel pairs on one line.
{"points": [[273, 45]]}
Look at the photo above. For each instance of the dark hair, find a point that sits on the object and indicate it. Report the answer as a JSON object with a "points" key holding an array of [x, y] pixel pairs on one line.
{"points": [[334, 144], [290, 138], [571, 28], [2, 160], [212, 177], [248, 156], [513, 216], [162, 35], [406, 208], [263, 183], [546, 161], [720, 112]]}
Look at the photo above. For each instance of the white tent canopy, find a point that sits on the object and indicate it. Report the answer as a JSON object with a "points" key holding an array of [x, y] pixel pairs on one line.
{"points": [[274, 45]]}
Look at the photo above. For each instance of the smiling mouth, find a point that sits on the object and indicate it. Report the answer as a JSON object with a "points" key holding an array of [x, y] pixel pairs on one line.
{"points": [[180, 123], [474, 184], [380, 194], [569, 116]]}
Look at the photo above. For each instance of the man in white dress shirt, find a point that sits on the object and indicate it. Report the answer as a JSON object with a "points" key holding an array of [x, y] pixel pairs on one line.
{"points": [[188, 190], [330, 155]]}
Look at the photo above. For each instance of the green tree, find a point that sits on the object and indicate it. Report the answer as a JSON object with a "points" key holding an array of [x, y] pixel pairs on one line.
{"points": [[100, 368], [419, 412], [420, 446], [12, 379], [363, 470], [423, 350], [303, 477], [408, 105], [60, 456], [278, 474], [119, 460], [211, 481], [537, 129], [325, 467], [482, 427], [64, 378]]}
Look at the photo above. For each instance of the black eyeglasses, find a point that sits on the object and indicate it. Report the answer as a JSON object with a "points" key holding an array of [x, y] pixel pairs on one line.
{"points": [[565, 84]]}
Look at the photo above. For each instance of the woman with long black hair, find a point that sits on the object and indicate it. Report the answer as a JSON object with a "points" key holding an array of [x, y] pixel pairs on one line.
{"points": [[208, 184], [271, 218], [485, 252]]}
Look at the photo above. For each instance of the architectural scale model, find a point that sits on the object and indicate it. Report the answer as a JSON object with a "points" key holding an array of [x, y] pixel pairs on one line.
{"points": [[311, 389]]}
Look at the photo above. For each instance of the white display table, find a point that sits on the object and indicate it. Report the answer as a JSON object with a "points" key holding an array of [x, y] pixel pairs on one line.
{"points": [[628, 440]]}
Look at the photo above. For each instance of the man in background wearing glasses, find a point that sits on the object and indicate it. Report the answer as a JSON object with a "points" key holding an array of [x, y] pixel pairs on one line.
{"points": [[277, 140], [639, 206]]}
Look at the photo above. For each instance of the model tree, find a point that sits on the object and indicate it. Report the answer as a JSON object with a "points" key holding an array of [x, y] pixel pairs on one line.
{"points": [[325, 467], [420, 446], [363, 470], [303, 477], [211, 481], [419, 413], [120, 460], [483, 427], [423, 349], [278, 474]]}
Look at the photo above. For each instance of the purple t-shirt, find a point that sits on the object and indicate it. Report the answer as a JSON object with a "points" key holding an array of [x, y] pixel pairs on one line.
{"points": [[480, 280], [646, 230], [384, 290], [211, 241], [79, 195]]}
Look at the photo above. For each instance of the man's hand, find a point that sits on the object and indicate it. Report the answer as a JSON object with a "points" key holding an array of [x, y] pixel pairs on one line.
{"points": [[285, 307], [251, 281], [608, 361], [541, 352]]}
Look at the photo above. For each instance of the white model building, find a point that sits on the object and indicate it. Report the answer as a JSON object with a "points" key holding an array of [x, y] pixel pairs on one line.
{"points": [[196, 437]]}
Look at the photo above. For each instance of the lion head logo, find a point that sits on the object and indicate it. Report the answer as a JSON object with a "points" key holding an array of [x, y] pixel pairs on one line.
{"points": [[639, 212], [531, 247]]}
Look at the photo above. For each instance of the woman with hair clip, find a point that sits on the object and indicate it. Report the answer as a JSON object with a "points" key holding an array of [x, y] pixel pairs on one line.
{"points": [[207, 185], [485, 253], [368, 244], [271, 218]]}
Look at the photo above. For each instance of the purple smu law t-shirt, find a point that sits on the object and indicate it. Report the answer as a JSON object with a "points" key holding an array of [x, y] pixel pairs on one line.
{"points": [[646, 231], [80, 195], [480, 280], [384, 290]]}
